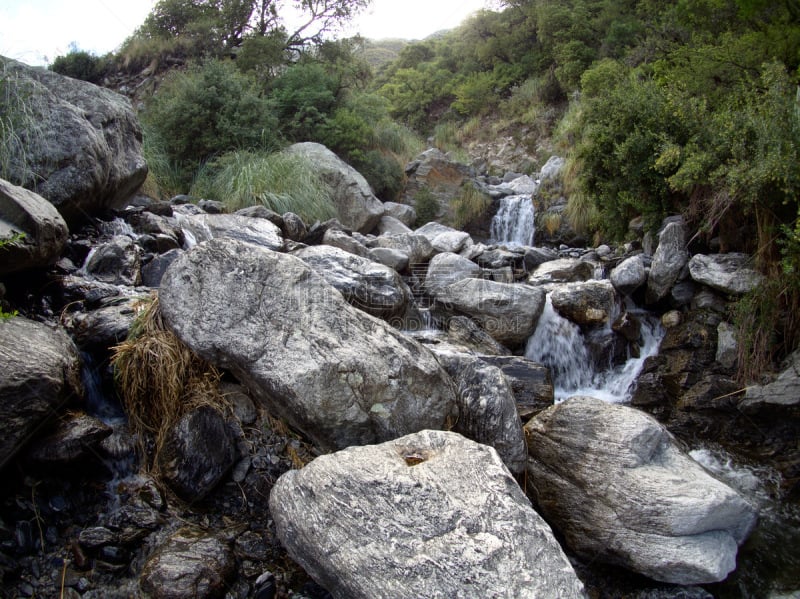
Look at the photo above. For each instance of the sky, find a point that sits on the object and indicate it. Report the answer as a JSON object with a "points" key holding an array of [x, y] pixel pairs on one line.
{"points": [[36, 31]]}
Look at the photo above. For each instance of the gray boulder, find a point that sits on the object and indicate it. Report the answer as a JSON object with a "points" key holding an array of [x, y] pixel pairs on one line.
{"points": [[106, 326], [155, 269], [402, 212], [669, 260], [464, 331], [784, 391], [83, 143], [191, 564], [334, 372], [508, 312], [394, 259], [417, 247], [357, 206], [615, 483], [447, 268], [439, 174], [389, 225], [343, 241], [45, 232], [374, 288], [41, 372], [259, 231], [587, 303], [444, 238], [116, 262], [628, 275], [293, 227], [428, 515], [728, 273], [530, 382], [197, 453], [562, 270]]}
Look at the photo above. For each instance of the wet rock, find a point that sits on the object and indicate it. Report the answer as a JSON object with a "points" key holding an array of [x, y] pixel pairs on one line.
{"points": [[155, 269], [508, 312], [417, 247], [293, 227], [562, 270], [191, 564], [499, 258], [464, 331], [394, 259], [257, 231], [530, 383], [356, 205], [106, 326], [45, 232], [339, 239], [728, 273], [427, 515], [197, 453], [341, 376], [95, 537], [535, 257], [629, 275], [444, 238], [76, 439], [117, 262], [586, 303], [447, 268], [615, 483], [402, 212], [90, 159], [388, 225], [41, 372], [374, 288], [669, 260]]}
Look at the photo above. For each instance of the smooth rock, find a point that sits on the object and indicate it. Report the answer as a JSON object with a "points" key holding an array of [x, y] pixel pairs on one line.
{"points": [[586, 303], [117, 262], [389, 225], [417, 247], [258, 231], [562, 270], [728, 273], [428, 515], [106, 326], [76, 438], [402, 212], [394, 259], [530, 383], [343, 241], [444, 238], [628, 275], [668, 261], [447, 268], [783, 391], [155, 269]]}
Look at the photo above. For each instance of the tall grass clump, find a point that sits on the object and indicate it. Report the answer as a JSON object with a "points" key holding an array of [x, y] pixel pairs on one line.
{"points": [[468, 206], [159, 380], [282, 182], [398, 139]]}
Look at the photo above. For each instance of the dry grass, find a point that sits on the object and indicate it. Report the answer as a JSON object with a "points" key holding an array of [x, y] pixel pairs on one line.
{"points": [[159, 380]]}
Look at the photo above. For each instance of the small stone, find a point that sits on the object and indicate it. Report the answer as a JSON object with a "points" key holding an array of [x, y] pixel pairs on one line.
{"points": [[671, 319]]}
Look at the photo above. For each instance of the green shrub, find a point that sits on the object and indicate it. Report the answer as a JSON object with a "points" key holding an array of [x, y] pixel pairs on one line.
{"points": [[468, 206], [304, 98], [80, 64], [426, 206], [207, 111], [281, 182], [383, 173]]}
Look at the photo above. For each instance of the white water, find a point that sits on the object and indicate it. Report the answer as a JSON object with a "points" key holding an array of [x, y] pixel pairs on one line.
{"points": [[514, 222], [560, 345]]}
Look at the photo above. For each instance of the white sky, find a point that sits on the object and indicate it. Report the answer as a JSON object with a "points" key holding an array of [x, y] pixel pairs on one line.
{"points": [[36, 31]]}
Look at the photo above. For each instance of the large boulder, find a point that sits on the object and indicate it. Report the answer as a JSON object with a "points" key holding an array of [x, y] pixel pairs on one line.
{"points": [[784, 391], [374, 288], [629, 275], [729, 273], [417, 247], [341, 376], [586, 303], [439, 174], [357, 206], [508, 312], [202, 227], [41, 372], [444, 238], [402, 212], [447, 268], [428, 515], [530, 382], [83, 143], [616, 484], [45, 232], [669, 259], [116, 262]]}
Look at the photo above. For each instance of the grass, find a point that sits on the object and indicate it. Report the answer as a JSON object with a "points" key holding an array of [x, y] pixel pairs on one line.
{"points": [[279, 181], [397, 139], [159, 380], [468, 206], [550, 222]]}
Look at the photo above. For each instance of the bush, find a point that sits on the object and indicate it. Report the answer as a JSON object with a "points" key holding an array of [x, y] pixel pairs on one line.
{"points": [[384, 174], [426, 205], [304, 98], [468, 206], [207, 111], [80, 64], [281, 182]]}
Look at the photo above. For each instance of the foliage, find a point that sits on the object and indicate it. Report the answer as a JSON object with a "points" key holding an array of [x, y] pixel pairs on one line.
{"points": [[426, 206], [383, 172], [80, 64], [304, 98], [279, 181], [469, 205], [5, 242], [209, 110]]}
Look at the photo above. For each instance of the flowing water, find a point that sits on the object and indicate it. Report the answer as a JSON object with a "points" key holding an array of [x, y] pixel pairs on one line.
{"points": [[560, 345], [514, 222]]}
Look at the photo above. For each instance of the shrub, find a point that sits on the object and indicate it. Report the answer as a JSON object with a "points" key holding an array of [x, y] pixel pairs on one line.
{"points": [[468, 206], [281, 182], [383, 173], [80, 64], [304, 98], [426, 205]]}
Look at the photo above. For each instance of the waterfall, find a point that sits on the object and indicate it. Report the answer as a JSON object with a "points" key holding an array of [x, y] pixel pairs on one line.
{"points": [[513, 223], [560, 345]]}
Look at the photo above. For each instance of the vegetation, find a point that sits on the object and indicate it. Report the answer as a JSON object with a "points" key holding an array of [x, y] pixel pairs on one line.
{"points": [[468, 206], [80, 64]]}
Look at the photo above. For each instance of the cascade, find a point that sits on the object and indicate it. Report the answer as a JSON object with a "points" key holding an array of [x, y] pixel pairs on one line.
{"points": [[513, 224], [560, 345]]}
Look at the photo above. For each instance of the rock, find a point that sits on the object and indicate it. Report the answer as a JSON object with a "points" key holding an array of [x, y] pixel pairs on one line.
{"points": [[728, 273], [357, 206], [552, 168], [417, 247], [436, 172], [464, 331], [367, 285], [197, 453], [153, 271], [615, 483], [45, 232], [669, 260], [530, 383], [75, 440], [500, 258], [402, 212], [117, 262], [445, 239], [261, 211], [87, 156], [41, 372], [448, 268], [671, 319], [535, 257], [343, 241], [784, 391], [95, 537], [428, 515], [293, 227], [105, 327], [628, 275], [258, 231], [244, 410], [727, 348], [394, 259], [335, 373], [190, 564], [508, 312], [563, 270], [586, 303], [388, 225]]}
